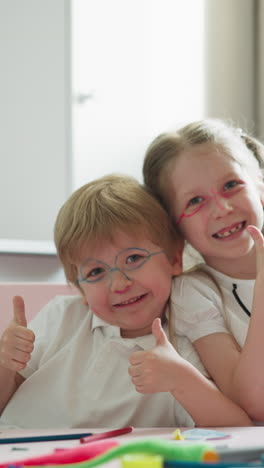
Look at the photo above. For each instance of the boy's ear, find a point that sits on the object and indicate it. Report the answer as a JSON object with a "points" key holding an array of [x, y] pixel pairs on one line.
{"points": [[177, 261], [84, 300]]}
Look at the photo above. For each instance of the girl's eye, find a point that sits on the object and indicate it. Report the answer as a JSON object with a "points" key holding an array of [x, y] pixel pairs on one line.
{"points": [[232, 184], [195, 201]]}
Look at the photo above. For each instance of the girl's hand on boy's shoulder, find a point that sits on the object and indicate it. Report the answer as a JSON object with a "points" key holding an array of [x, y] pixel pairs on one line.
{"points": [[17, 341], [155, 370], [258, 239]]}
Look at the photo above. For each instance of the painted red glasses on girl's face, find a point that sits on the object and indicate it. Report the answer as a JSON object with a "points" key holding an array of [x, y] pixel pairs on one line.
{"points": [[196, 203]]}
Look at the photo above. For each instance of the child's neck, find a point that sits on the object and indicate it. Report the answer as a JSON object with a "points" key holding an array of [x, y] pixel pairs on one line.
{"points": [[241, 268]]}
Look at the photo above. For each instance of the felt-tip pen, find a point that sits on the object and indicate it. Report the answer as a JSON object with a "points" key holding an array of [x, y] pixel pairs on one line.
{"points": [[239, 456], [106, 435], [43, 438], [242, 454]]}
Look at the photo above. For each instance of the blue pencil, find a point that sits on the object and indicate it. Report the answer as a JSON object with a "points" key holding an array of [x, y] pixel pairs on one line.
{"points": [[43, 438]]}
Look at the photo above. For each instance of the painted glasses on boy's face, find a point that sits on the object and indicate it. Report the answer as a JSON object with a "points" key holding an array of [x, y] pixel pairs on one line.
{"points": [[127, 260], [195, 204]]}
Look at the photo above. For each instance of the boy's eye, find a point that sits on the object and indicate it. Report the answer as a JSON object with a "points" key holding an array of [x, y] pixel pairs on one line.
{"points": [[194, 201], [135, 258], [95, 273]]}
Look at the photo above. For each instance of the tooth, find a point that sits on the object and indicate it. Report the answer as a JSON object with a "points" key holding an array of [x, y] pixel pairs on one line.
{"points": [[130, 301], [231, 231]]}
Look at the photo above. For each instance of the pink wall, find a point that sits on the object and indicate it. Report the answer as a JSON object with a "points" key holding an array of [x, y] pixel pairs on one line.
{"points": [[35, 295]]}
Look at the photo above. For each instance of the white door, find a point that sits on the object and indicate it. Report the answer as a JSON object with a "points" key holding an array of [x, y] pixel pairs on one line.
{"points": [[138, 70]]}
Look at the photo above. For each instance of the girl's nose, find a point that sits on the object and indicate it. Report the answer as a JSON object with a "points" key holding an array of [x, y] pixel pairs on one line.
{"points": [[119, 281], [220, 205]]}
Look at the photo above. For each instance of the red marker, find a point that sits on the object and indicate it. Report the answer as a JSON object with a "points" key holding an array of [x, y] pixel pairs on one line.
{"points": [[106, 435], [66, 456]]}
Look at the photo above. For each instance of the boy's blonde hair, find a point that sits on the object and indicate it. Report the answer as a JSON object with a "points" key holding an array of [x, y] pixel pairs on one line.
{"points": [[94, 213], [240, 146]]}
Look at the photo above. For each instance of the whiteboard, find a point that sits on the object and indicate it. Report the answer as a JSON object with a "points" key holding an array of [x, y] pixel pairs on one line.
{"points": [[35, 121]]}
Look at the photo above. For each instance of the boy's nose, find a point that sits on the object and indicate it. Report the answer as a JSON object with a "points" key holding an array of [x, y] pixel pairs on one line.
{"points": [[119, 281]]}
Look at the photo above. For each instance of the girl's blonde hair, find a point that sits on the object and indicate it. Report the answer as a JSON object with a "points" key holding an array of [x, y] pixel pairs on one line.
{"points": [[94, 213], [240, 146]]}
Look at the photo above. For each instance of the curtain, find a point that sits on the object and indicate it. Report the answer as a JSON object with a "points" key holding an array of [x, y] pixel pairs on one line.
{"points": [[259, 18], [235, 64]]}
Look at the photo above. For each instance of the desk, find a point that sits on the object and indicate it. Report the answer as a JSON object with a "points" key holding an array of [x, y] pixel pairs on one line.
{"points": [[239, 437]]}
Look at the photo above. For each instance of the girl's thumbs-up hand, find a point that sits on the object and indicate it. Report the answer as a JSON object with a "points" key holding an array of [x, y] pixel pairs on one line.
{"points": [[17, 341], [258, 239], [155, 370]]}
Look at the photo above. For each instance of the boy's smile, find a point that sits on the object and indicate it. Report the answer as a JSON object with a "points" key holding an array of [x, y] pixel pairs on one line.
{"points": [[125, 288], [214, 200]]}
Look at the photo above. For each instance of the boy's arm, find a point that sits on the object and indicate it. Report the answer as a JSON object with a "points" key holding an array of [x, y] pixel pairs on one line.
{"points": [[16, 345], [12, 381], [163, 369], [240, 374]]}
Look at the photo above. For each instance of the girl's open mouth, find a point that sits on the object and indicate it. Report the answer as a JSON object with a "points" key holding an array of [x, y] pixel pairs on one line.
{"points": [[230, 231]]}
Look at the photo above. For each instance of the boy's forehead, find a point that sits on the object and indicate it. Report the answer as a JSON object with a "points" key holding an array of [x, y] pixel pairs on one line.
{"points": [[117, 240]]}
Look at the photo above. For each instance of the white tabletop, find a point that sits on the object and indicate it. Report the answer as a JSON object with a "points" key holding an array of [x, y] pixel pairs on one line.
{"points": [[237, 437]]}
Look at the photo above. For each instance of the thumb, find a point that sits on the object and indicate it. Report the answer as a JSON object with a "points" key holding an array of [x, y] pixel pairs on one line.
{"points": [[258, 239], [158, 332], [19, 311]]}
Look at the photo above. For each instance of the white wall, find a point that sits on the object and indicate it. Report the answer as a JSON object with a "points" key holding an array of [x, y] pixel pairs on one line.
{"points": [[35, 122], [35, 268], [35, 96], [230, 93]]}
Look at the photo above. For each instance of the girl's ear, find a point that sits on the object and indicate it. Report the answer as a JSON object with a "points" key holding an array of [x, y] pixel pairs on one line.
{"points": [[260, 185]]}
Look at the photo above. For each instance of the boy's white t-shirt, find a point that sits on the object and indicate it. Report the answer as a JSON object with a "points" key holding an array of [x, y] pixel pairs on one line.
{"points": [[78, 375], [207, 301]]}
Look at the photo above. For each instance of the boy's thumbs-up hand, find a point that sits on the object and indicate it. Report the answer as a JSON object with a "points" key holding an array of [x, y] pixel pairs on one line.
{"points": [[19, 311], [155, 370], [159, 333], [17, 341]]}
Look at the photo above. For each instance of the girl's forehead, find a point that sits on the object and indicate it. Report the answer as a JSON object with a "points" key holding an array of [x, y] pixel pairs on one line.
{"points": [[202, 167], [206, 152], [202, 159]]}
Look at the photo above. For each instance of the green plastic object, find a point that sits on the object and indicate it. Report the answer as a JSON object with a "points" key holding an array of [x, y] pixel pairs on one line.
{"points": [[169, 450]]}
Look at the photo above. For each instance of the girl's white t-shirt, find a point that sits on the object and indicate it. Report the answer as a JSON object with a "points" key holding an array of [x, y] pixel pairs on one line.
{"points": [[206, 301]]}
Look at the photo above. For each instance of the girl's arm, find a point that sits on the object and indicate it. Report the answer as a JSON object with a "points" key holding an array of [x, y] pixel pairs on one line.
{"points": [[240, 375], [163, 369]]}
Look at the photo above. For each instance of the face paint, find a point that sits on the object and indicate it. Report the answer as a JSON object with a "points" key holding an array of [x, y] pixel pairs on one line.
{"points": [[199, 202]]}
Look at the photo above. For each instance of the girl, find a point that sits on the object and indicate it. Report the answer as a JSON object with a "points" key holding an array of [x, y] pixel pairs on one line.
{"points": [[209, 177]]}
